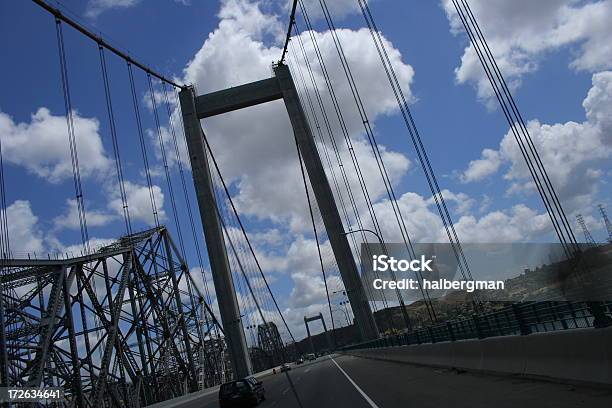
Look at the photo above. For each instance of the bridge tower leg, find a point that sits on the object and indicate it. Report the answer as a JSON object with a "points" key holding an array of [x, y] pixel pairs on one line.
{"points": [[309, 337], [327, 338], [215, 243], [327, 206], [330, 345], [281, 86]]}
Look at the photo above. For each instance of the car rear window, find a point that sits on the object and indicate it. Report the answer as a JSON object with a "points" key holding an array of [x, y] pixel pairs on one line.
{"points": [[227, 388], [233, 387]]}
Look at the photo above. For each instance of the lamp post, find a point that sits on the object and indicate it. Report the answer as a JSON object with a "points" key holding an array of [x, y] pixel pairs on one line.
{"points": [[343, 303], [367, 230], [250, 328]]}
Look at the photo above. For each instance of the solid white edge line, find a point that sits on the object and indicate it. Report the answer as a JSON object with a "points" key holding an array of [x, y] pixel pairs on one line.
{"points": [[363, 394]]}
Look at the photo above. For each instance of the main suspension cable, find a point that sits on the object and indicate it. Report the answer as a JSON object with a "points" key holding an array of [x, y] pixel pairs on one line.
{"points": [[99, 40], [289, 29]]}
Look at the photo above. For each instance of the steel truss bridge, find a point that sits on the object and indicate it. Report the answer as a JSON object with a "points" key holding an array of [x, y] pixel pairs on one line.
{"points": [[126, 323]]}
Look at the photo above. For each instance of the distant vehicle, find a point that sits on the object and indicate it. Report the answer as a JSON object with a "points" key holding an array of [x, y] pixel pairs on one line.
{"points": [[247, 392], [284, 368], [299, 360], [311, 357]]}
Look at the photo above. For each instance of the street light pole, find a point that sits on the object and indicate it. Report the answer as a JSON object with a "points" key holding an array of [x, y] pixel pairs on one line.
{"points": [[343, 303], [399, 297], [367, 230]]}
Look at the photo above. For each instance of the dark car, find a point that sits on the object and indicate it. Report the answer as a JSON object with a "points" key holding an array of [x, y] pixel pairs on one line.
{"points": [[241, 393]]}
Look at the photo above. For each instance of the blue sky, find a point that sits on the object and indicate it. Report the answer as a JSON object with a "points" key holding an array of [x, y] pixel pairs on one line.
{"points": [[554, 53]]}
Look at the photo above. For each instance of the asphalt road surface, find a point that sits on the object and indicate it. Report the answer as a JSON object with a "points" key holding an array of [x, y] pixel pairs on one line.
{"points": [[352, 382]]}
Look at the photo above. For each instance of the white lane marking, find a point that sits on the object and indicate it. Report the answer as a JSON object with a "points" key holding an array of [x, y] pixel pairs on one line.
{"points": [[306, 370], [363, 394]]}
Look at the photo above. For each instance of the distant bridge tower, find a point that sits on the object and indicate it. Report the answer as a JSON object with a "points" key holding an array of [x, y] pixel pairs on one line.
{"points": [[314, 318], [587, 234], [606, 221]]}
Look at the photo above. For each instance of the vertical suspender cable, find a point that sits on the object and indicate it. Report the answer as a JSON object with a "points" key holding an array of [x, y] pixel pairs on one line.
{"points": [[74, 158], [5, 250], [162, 149], [417, 142], [241, 266], [115, 142], [143, 146], [5, 246]]}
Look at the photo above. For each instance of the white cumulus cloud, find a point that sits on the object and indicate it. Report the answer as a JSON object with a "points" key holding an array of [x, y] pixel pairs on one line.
{"points": [[572, 152], [139, 202], [70, 218], [24, 232], [521, 33], [41, 146], [255, 147]]}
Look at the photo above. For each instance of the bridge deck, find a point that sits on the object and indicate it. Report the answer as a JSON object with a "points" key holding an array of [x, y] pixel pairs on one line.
{"points": [[382, 384]]}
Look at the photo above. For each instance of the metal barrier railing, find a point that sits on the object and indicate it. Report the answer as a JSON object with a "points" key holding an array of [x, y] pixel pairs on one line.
{"points": [[515, 319]]}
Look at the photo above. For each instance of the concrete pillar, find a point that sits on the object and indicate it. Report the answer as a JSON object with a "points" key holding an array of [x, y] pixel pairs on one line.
{"points": [[215, 243], [327, 205], [309, 337], [327, 336]]}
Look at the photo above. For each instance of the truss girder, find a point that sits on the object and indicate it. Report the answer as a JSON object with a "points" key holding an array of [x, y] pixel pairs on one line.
{"points": [[122, 327]]}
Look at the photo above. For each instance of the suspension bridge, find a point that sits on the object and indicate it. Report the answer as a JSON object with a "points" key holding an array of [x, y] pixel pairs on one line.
{"points": [[133, 323]]}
